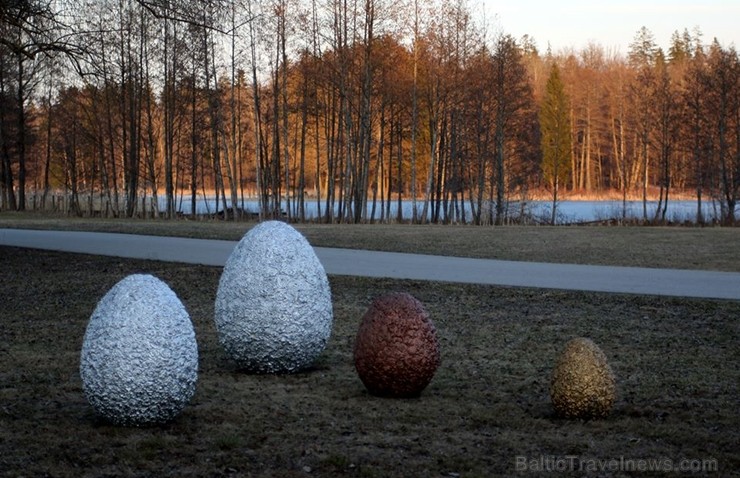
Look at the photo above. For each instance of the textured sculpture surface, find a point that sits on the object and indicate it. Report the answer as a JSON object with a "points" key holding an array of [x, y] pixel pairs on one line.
{"points": [[583, 384], [139, 360], [396, 350], [273, 305]]}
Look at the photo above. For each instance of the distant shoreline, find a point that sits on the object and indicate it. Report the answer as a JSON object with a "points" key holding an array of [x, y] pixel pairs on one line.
{"points": [[653, 194]]}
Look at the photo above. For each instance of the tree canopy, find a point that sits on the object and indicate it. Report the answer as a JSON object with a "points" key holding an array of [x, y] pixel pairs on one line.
{"points": [[154, 105]]}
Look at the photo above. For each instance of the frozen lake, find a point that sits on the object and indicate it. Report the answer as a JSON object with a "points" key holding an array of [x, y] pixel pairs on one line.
{"points": [[568, 212]]}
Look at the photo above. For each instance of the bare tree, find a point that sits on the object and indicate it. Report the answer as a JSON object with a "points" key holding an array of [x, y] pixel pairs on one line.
{"points": [[723, 102], [513, 98]]}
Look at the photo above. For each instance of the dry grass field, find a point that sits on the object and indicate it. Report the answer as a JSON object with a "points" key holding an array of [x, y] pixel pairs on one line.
{"points": [[711, 248], [485, 413]]}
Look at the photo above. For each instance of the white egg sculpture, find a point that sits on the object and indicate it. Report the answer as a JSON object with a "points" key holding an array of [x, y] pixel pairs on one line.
{"points": [[273, 305], [139, 360]]}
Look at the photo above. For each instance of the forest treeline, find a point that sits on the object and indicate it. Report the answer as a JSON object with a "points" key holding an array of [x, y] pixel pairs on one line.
{"points": [[351, 107]]}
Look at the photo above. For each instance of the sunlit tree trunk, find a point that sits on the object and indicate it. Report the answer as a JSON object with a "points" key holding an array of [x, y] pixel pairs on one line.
{"points": [[169, 61], [21, 132], [414, 113], [257, 117]]}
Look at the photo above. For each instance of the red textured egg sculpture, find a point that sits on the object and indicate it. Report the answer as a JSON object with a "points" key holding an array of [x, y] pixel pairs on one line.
{"points": [[396, 351]]}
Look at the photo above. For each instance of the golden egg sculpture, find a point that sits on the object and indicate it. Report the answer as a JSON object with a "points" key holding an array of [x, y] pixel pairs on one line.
{"points": [[583, 384]]}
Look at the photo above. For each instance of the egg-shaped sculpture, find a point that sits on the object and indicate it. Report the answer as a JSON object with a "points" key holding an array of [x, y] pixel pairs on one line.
{"points": [[396, 351], [273, 305], [139, 359], [583, 384]]}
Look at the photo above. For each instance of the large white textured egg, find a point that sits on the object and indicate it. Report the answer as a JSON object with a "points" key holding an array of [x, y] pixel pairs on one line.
{"points": [[139, 360], [273, 306]]}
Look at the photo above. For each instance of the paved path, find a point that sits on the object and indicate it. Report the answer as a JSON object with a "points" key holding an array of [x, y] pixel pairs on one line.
{"points": [[634, 280]]}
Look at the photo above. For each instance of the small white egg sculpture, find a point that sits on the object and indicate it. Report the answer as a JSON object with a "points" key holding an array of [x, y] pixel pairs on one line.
{"points": [[139, 360], [273, 305]]}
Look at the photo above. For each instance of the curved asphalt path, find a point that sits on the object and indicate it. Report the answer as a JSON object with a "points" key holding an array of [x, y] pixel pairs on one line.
{"points": [[631, 280]]}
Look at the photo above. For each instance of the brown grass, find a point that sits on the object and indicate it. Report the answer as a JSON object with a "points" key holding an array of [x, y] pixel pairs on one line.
{"points": [[710, 248], [676, 363]]}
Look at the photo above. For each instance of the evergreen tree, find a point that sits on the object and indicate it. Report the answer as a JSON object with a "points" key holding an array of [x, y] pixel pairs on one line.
{"points": [[643, 49], [555, 135]]}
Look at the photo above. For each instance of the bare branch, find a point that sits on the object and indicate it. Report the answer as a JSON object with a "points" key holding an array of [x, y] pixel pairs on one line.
{"points": [[158, 10]]}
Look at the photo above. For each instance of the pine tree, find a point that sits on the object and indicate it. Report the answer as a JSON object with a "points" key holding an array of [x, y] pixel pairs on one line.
{"points": [[555, 134]]}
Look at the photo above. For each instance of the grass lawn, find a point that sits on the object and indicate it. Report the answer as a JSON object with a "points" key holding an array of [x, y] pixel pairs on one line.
{"points": [[487, 409]]}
